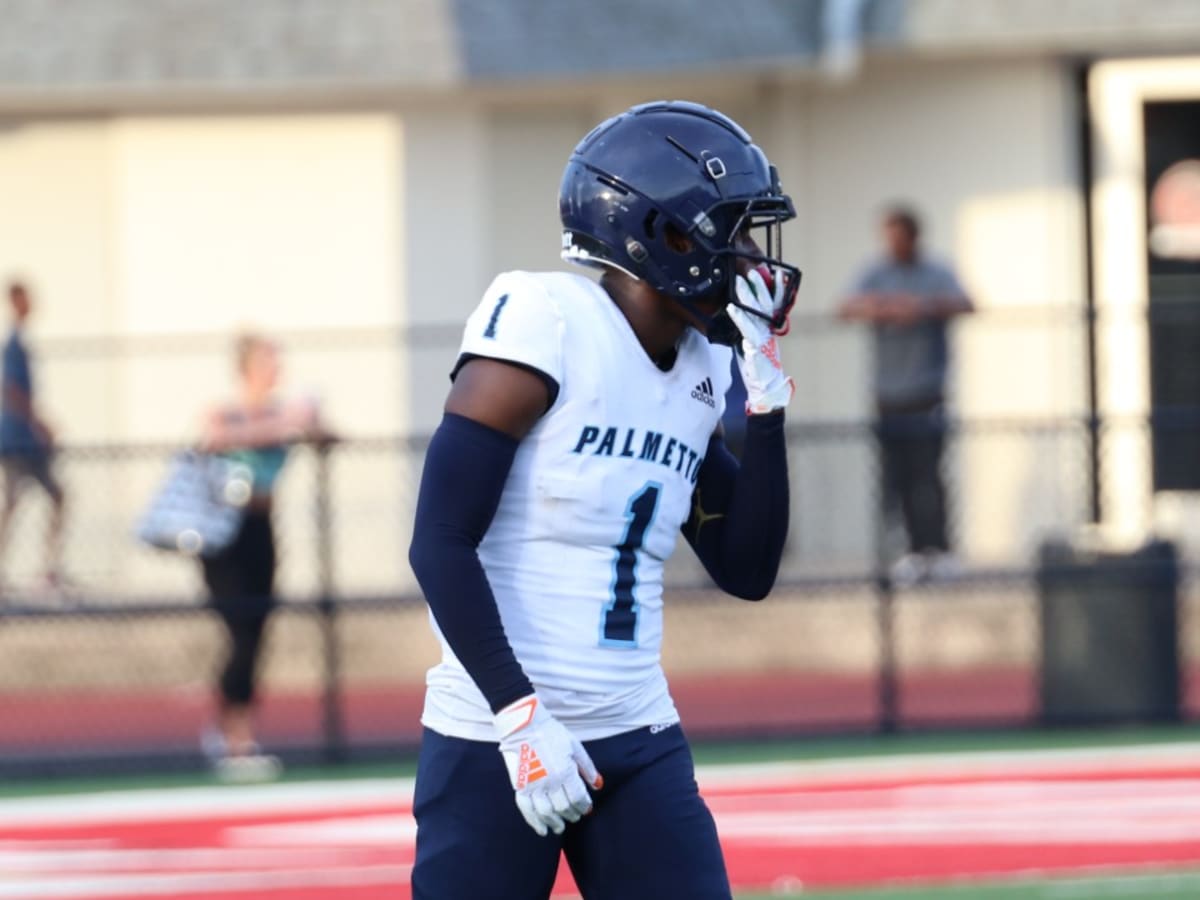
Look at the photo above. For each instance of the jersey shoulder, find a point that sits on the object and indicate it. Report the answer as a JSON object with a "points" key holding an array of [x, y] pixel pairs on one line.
{"points": [[548, 289], [522, 319], [557, 295]]}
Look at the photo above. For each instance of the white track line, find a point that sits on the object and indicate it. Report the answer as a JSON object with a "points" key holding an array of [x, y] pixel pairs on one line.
{"points": [[174, 884], [391, 831], [172, 804], [994, 812], [144, 859], [396, 793], [949, 765]]}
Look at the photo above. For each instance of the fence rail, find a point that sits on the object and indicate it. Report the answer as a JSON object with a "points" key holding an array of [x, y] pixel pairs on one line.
{"points": [[117, 671]]}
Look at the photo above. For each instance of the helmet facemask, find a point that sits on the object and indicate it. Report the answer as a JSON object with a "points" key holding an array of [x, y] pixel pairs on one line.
{"points": [[721, 234], [668, 193]]}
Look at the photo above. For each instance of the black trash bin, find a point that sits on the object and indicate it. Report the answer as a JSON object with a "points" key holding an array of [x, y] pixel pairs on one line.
{"points": [[1109, 620]]}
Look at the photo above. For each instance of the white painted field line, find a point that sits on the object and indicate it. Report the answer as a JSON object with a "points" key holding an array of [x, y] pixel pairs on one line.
{"points": [[793, 832], [7, 846], [146, 859], [170, 804], [391, 831], [1003, 812], [173, 804], [948, 765], [1183, 793], [173, 884]]}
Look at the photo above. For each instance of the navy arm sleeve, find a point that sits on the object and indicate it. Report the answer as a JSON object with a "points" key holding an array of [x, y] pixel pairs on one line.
{"points": [[739, 518], [465, 470]]}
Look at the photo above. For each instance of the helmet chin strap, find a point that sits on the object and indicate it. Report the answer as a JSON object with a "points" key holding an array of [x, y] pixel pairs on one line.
{"points": [[687, 303], [718, 327], [704, 318], [580, 255]]}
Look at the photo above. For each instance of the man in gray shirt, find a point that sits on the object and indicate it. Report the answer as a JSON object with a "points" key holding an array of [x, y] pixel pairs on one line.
{"points": [[909, 299]]}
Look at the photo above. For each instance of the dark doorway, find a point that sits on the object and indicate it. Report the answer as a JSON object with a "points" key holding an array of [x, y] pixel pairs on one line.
{"points": [[1172, 141]]}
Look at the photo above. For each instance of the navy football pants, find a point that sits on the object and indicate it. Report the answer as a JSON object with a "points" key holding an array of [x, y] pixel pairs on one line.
{"points": [[650, 835]]}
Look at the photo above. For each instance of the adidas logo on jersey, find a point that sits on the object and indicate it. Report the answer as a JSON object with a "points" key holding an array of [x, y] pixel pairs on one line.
{"points": [[704, 393]]}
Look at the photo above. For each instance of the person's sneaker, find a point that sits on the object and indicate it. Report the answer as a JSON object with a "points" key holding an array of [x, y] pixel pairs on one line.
{"points": [[248, 769], [213, 746], [56, 586], [945, 567], [908, 570]]}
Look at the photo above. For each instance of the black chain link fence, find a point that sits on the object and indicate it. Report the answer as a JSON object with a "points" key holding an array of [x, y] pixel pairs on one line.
{"points": [[117, 670]]}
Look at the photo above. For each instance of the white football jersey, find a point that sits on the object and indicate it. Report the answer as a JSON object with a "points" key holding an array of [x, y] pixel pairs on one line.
{"points": [[592, 507]]}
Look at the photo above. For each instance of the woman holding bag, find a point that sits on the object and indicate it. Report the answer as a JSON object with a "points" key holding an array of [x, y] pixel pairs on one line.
{"points": [[256, 429]]}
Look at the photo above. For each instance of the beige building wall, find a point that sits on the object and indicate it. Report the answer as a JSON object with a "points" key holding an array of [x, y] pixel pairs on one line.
{"points": [[56, 234], [283, 223], [985, 149], [365, 238], [149, 241]]}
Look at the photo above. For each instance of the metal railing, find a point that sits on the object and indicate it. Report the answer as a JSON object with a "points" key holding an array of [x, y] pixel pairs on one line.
{"points": [[116, 670]]}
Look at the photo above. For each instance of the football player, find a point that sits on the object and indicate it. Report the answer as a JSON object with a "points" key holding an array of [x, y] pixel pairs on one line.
{"points": [[580, 436]]}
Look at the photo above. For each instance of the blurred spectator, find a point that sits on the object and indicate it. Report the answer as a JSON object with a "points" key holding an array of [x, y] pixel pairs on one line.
{"points": [[256, 428], [908, 299], [26, 441]]}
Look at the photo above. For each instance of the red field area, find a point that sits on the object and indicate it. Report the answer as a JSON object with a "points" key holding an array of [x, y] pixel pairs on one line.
{"points": [[711, 705], [927, 819]]}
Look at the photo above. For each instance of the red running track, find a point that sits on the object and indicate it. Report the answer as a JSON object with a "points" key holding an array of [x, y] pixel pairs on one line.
{"points": [[711, 706], [927, 819]]}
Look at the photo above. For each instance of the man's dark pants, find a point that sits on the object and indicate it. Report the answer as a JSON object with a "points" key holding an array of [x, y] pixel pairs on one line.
{"points": [[912, 438]]}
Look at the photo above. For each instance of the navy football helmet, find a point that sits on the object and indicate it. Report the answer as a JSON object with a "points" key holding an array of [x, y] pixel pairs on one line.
{"points": [[661, 171]]}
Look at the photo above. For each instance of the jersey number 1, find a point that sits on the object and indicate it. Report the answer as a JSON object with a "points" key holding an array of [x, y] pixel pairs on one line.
{"points": [[618, 627]]}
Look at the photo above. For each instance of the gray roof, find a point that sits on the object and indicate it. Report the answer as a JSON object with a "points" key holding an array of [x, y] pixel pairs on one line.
{"points": [[233, 44], [517, 39], [66, 47]]}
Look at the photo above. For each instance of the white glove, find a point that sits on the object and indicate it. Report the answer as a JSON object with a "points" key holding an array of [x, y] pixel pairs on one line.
{"points": [[545, 763], [767, 388]]}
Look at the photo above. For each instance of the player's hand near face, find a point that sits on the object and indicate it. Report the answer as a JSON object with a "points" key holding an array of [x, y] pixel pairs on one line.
{"points": [[767, 388], [547, 766]]}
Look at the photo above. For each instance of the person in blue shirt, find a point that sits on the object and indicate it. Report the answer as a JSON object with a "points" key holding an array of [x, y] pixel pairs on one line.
{"points": [[26, 441], [909, 299]]}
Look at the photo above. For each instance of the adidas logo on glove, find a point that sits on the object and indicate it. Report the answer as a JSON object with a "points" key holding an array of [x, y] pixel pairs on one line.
{"points": [[529, 767], [704, 393]]}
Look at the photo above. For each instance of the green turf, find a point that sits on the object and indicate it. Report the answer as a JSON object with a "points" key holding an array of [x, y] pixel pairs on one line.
{"points": [[940, 742], [1143, 886], [90, 784]]}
